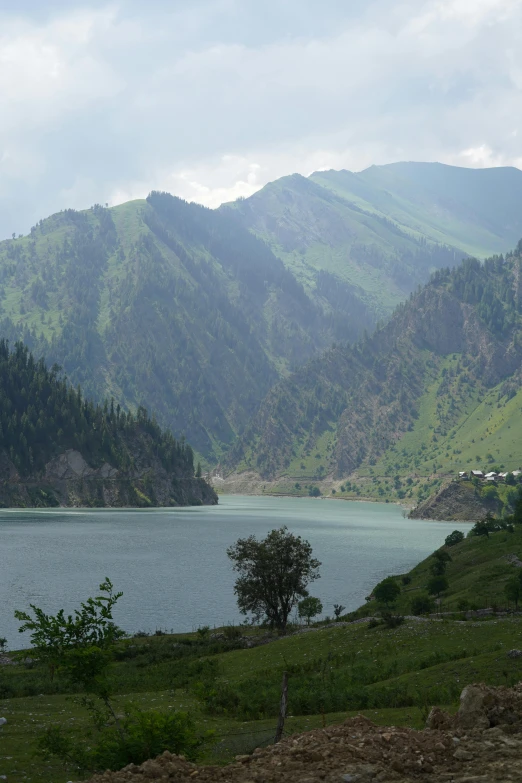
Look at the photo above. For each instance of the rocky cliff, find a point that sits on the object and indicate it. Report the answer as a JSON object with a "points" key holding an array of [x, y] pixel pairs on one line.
{"points": [[458, 501], [69, 481]]}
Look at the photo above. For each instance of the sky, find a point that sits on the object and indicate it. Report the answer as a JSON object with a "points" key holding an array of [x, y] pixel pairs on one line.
{"points": [[101, 102]]}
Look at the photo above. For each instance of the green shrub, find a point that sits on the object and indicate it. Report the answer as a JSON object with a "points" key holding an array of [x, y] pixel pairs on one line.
{"points": [[454, 538], [141, 735], [421, 604]]}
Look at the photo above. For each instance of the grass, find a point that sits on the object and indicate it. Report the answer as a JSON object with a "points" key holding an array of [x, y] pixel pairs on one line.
{"points": [[390, 676], [477, 572]]}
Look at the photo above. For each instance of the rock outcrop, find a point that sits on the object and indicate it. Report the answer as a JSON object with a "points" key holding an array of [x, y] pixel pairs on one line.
{"points": [[68, 480], [457, 501]]}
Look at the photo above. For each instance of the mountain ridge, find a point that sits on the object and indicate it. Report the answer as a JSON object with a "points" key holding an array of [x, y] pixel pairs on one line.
{"points": [[461, 336]]}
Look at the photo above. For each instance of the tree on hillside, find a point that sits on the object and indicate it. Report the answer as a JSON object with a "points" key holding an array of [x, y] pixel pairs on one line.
{"points": [[440, 561], [309, 607], [454, 538], [437, 585], [387, 591], [273, 574]]}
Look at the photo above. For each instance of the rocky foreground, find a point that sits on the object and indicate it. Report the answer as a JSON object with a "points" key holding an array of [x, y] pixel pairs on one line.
{"points": [[482, 743]]}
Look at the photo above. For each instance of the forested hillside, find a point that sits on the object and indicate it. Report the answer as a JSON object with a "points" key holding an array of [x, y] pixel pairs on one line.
{"points": [[380, 233], [435, 390], [165, 304], [49, 433]]}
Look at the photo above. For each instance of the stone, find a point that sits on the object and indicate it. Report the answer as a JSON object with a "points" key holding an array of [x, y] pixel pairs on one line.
{"points": [[514, 654], [462, 755], [472, 710], [438, 720]]}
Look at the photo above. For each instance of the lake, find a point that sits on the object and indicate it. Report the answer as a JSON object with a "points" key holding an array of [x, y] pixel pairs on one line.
{"points": [[171, 564]]}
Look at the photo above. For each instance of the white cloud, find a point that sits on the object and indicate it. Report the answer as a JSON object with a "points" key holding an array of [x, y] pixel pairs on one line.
{"points": [[212, 99]]}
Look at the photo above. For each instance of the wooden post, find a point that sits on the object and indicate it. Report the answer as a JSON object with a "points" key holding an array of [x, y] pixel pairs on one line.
{"points": [[282, 708]]}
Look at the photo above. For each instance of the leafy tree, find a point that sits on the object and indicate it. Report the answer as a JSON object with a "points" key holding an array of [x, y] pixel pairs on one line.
{"points": [[437, 585], [314, 492], [440, 561], [421, 604], [273, 574], [59, 638], [309, 607], [454, 538], [387, 591], [484, 526], [338, 610], [82, 647]]}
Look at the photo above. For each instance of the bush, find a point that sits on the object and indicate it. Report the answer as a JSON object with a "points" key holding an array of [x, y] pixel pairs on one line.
{"points": [[387, 591], [141, 736], [437, 585], [391, 621], [406, 579], [232, 632], [454, 538], [421, 604]]}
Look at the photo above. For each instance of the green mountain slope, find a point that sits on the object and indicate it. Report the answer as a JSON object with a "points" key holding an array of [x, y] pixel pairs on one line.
{"points": [[383, 231], [435, 390], [165, 304]]}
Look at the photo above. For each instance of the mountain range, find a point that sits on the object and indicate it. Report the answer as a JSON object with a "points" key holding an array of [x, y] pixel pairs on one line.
{"points": [[435, 390], [198, 314]]}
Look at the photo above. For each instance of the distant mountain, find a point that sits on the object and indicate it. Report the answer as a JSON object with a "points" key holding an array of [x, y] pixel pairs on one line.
{"points": [[57, 448], [168, 305], [436, 390], [383, 231]]}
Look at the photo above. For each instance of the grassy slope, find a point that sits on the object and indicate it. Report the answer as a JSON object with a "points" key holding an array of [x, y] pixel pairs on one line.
{"points": [[421, 663], [360, 227], [465, 208], [477, 572]]}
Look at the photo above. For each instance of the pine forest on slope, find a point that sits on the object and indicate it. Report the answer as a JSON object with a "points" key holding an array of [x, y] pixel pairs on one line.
{"points": [[58, 448], [436, 390], [186, 311]]}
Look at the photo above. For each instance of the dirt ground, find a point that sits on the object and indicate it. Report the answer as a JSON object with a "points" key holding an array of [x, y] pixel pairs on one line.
{"points": [[481, 744]]}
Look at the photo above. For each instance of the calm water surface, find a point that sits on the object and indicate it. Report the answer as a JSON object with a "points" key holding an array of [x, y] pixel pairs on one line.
{"points": [[171, 564]]}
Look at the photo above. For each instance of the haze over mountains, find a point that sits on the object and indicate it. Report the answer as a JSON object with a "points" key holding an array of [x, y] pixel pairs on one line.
{"points": [[197, 314]]}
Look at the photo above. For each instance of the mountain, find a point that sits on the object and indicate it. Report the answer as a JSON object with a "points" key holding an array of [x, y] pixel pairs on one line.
{"points": [[168, 305], [197, 313], [57, 448], [383, 231], [436, 390]]}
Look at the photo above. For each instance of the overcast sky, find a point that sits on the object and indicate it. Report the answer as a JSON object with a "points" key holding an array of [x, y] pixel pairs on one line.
{"points": [[211, 99]]}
